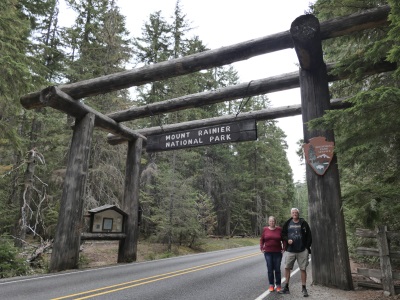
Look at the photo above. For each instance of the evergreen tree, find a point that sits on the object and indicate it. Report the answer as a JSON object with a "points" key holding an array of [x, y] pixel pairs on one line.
{"points": [[265, 179], [99, 34], [16, 76], [34, 197], [29, 39], [216, 171], [10, 263], [161, 41], [366, 134]]}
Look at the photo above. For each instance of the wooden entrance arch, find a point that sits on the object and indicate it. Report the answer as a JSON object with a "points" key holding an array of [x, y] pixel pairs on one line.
{"points": [[330, 260]]}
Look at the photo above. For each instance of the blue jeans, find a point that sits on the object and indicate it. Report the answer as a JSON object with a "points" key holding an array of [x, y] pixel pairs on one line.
{"points": [[273, 260]]}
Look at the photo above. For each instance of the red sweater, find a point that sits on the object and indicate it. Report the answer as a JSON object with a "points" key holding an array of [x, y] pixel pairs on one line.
{"points": [[271, 240]]}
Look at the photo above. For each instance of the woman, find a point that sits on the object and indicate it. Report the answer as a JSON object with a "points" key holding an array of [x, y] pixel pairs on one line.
{"points": [[271, 245]]}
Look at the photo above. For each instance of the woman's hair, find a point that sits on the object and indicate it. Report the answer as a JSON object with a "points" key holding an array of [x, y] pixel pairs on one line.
{"points": [[272, 217]]}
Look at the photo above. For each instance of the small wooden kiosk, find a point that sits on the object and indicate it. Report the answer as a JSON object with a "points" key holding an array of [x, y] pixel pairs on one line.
{"points": [[106, 223]]}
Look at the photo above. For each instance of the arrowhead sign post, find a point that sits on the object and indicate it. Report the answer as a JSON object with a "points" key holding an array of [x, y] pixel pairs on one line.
{"points": [[225, 133]]}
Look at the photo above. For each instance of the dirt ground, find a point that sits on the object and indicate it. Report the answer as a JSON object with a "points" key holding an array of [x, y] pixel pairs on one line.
{"points": [[104, 253]]}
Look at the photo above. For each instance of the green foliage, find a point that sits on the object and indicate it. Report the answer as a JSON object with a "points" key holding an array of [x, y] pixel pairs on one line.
{"points": [[366, 134], [224, 173], [15, 69], [186, 194], [83, 261], [7, 218], [100, 34], [300, 200], [29, 39], [176, 212], [392, 39], [10, 263]]}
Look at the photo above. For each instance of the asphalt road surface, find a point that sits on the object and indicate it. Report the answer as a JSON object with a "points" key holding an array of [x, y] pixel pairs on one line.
{"points": [[238, 273]]}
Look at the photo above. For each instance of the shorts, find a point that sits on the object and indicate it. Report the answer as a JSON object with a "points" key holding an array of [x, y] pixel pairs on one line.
{"points": [[301, 257]]}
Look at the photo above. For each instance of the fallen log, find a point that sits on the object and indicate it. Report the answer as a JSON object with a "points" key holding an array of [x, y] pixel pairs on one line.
{"points": [[43, 247]]}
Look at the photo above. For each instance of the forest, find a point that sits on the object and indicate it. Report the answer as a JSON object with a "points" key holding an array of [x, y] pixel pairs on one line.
{"points": [[224, 190]]}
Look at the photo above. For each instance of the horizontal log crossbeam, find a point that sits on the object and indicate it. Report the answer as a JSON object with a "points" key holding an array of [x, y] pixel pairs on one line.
{"points": [[256, 87], [263, 114], [243, 90], [64, 97], [210, 59], [55, 98]]}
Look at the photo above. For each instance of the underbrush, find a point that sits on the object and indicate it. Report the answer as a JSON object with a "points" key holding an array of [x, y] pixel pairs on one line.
{"points": [[11, 262]]}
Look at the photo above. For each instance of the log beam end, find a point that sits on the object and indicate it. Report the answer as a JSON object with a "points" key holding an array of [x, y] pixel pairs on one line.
{"points": [[306, 35]]}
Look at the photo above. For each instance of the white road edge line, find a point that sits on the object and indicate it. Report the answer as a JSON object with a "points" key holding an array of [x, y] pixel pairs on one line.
{"points": [[266, 293]]}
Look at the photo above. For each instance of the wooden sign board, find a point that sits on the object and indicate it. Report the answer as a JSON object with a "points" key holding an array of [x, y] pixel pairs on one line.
{"points": [[225, 133]]}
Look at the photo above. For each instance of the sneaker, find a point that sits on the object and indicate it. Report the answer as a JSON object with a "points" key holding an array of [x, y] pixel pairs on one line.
{"points": [[271, 288], [304, 291], [285, 290], [278, 289]]}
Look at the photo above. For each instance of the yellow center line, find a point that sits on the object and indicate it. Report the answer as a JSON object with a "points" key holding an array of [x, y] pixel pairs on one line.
{"points": [[142, 281]]}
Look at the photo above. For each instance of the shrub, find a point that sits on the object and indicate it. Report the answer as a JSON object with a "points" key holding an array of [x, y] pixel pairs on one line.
{"points": [[10, 262]]}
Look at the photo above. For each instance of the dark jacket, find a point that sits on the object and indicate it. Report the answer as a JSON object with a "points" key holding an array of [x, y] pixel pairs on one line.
{"points": [[305, 233]]}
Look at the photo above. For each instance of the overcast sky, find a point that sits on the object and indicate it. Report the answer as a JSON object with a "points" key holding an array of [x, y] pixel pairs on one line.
{"points": [[221, 23]]}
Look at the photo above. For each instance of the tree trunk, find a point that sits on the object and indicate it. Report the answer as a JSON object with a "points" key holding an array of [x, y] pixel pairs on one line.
{"points": [[228, 215], [26, 194], [25, 201]]}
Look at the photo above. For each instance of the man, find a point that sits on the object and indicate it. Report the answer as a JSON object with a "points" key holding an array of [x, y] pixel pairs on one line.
{"points": [[297, 234]]}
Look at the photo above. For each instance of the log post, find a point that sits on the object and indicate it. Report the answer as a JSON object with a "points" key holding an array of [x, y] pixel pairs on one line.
{"points": [[384, 258], [127, 251], [330, 258], [65, 253]]}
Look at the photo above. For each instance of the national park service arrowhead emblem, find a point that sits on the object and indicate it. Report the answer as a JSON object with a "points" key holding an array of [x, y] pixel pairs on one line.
{"points": [[319, 154]]}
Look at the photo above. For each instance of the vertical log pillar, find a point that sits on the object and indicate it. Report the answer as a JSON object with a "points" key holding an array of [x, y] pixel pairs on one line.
{"points": [[127, 251], [330, 258], [66, 245]]}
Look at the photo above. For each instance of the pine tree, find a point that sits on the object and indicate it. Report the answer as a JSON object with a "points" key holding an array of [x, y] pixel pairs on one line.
{"points": [[366, 134], [216, 171], [161, 41], [264, 183], [28, 44], [15, 72], [45, 35], [99, 34]]}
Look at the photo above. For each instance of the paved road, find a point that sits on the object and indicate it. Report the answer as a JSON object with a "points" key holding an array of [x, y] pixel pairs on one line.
{"points": [[230, 274]]}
